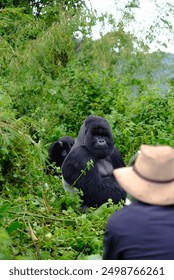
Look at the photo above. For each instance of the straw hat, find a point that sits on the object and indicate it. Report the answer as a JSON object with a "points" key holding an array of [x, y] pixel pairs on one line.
{"points": [[151, 179]]}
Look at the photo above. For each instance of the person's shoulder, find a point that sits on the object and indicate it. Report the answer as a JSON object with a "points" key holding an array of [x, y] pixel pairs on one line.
{"points": [[127, 213], [131, 207]]}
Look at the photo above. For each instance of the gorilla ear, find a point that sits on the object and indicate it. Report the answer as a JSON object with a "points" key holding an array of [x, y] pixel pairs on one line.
{"points": [[60, 143]]}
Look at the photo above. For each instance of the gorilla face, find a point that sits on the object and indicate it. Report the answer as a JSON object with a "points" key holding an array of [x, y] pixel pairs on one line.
{"points": [[64, 146], [98, 137], [64, 153], [60, 149]]}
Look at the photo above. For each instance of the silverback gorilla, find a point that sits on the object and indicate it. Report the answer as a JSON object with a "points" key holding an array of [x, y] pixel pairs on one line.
{"points": [[58, 151], [94, 141]]}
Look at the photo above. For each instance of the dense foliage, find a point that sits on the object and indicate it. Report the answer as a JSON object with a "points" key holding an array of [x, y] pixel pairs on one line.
{"points": [[50, 80]]}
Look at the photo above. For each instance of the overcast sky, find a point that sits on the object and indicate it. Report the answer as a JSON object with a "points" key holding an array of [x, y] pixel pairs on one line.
{"points": [[145, 17]]}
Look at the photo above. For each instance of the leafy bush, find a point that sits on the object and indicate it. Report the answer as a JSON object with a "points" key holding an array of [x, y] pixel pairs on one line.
{"points": [[21, 159], [145, 119], [42, 226]]}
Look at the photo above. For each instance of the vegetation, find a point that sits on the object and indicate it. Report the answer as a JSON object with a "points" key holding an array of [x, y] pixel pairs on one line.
{"points": [[50, 80]]}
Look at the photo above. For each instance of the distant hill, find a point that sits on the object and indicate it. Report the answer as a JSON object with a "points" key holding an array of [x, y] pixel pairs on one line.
{"points": [[165, 71]]}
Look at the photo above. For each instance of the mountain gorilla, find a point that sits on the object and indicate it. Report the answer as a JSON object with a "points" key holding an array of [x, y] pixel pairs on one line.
{"points": [[58, 151], [94, 141]]}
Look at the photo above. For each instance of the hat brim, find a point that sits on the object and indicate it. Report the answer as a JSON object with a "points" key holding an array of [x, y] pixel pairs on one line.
{"points": [[143, 190]]}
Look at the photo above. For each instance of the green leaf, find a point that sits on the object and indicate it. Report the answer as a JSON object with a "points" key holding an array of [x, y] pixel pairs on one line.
{"points": [[4, 208], [13, 226]]}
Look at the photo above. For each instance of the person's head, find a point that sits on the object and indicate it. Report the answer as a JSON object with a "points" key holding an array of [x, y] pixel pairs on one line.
{"points": [[151, 178]]}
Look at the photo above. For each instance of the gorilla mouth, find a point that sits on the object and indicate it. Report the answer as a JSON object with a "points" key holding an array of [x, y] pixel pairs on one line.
{"points": [[102, 151]]}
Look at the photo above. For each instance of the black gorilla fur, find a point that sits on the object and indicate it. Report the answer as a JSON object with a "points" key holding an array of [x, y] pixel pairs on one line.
{"points": [[58, 151], [94, 141]]}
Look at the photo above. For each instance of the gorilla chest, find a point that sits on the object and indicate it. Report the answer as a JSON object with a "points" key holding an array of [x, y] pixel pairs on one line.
{"points": [[105, 167]]}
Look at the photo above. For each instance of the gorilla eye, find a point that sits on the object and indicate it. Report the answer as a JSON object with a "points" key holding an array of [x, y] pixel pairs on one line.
{"points": [[102, 134], [99, 132]]}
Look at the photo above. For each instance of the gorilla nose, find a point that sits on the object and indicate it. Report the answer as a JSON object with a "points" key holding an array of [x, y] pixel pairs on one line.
{"points": [[101, 141]]}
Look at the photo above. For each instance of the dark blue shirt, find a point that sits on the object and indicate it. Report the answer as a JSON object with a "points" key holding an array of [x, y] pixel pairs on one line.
{"points": [[140, 232]]}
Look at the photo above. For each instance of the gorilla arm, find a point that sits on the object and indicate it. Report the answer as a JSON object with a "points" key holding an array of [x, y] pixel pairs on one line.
{"points": [[96, 189], [116, 159]]}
